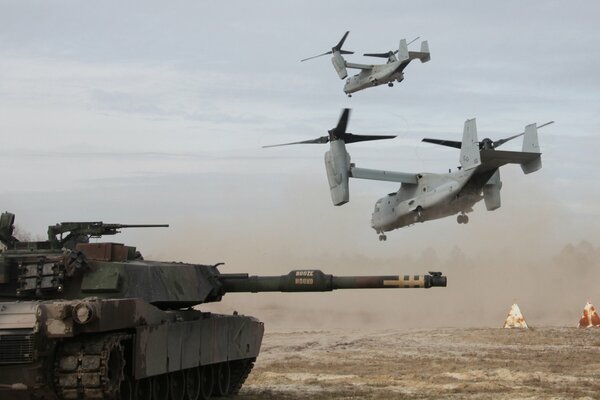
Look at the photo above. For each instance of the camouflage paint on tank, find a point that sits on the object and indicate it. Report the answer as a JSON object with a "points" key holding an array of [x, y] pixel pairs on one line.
{"points": [[71, 311]]}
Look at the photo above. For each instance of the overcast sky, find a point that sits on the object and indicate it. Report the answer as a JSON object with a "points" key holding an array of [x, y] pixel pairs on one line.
{"points": [[155, 112]]}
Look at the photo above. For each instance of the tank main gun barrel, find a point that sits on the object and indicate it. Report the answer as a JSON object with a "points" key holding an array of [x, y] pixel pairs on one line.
{"points": [[317, 281]]}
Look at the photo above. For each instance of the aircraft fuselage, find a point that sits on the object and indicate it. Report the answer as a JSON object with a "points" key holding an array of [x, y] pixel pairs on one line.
{"points": [[377, 75], [434, 196]]}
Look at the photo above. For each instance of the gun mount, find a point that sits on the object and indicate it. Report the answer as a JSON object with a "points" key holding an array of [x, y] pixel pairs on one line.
{"points": [[81, 232], [69, 308], [67, 234]]}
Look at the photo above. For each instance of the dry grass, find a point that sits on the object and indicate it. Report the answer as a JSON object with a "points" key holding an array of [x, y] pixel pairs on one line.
{"points": [[543, 363]]}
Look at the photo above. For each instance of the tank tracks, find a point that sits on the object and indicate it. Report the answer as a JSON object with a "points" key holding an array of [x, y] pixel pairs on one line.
{"points": [[239, 372], [95, 368], [91, 368]]}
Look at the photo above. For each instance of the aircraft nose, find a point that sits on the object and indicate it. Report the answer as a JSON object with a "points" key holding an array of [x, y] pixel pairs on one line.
{"points": [[374, 221]]}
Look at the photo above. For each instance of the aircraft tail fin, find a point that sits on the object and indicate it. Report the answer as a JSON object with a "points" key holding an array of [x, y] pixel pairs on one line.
{"points": [[424, 55], [403, 50], [425, 51], [531, 145], [469, 150]]}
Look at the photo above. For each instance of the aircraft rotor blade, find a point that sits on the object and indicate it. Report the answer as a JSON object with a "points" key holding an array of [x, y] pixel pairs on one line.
{"points": [[351, 138], [338, 46], [320, 55], [319, 140], [389, 53], [414, 40], [381, 55], [441, 142], [496, 143], [340, 129], [500, 142]]}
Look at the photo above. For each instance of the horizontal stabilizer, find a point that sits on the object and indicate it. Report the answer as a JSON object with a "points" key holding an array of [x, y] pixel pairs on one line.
{"points": [[498, 158]]}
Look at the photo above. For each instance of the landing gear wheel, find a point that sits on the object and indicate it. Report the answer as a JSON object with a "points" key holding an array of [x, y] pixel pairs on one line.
{"points": [[126, 390], [192, 383], [222, 379], [142, 389], [349, 95], [390, 84], [177, 385], [466, 219], [206, 381], [160, 387], [462, 219], [382, 238]]}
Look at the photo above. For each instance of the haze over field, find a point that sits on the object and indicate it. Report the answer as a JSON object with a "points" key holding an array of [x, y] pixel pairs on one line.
{"points": [[148, 113]]}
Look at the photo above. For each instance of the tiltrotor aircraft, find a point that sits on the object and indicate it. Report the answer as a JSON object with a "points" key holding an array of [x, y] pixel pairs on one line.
{"points": [[428, 196], [378, 74]]}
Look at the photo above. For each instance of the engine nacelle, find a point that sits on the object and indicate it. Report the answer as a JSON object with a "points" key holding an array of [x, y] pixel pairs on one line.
{"points": [[339, 64], [337, 164]]}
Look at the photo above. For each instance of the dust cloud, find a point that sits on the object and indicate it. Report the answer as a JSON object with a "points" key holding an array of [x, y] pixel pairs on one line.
{"points": [[526, 252]]}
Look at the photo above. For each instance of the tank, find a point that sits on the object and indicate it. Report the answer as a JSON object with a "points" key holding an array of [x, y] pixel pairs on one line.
{"points": [[81, 320]]}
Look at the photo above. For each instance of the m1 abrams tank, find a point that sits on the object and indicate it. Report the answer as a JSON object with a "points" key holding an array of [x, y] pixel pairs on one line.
{"points": [[82, 320]]}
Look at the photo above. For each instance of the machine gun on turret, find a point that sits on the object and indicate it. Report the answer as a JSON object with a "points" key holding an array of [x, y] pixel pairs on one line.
{"points": [[81, 232], [67, 234], [7, 228]]}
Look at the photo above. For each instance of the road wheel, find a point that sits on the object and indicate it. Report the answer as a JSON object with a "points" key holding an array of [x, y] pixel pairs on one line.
{"points": [[192, 383], [177, 385], [160, 387], [222, 379], [126, 390], [206, 381], [142, 390]]}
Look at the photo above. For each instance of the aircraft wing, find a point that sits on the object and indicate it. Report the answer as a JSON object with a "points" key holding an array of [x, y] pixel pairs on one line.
{"points": [[359, 66], [379, 175], [497, 158]]}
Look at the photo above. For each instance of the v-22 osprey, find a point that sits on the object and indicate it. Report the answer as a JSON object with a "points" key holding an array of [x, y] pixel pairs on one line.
{"points": [[428, 196], [374, 74]]}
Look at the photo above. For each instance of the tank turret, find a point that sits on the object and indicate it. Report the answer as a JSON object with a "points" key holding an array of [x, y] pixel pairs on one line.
{"points": [[82, 320]]}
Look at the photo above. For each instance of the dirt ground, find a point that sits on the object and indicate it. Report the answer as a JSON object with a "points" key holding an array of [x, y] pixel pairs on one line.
{"points": [[449, 363]]}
